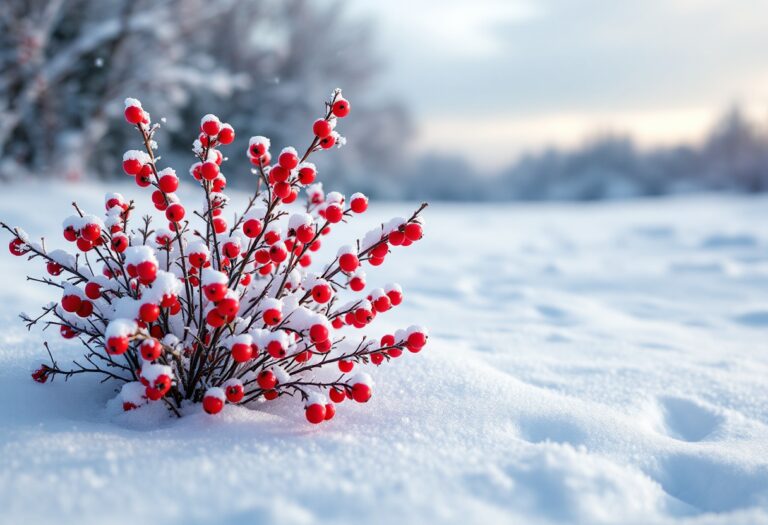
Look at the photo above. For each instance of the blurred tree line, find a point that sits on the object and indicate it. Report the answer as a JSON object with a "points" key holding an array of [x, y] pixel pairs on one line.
{"points": [[265, 66], [733, 158]]}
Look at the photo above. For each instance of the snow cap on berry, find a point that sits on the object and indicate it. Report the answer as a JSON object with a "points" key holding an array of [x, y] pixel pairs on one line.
{"points": [[120, 328], [133, 393]]}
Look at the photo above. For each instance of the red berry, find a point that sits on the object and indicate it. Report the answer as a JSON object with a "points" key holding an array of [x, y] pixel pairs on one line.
{"points": [[93, 290], [328, 142], [215, 292], [341, 108], [70, 234], [210, 125], [348, 262], [215, 319], [132, 166], [396, 238], [361, 392], [213, 403], [272, 316], [330, 411], [226, 134], [241, 352], [356, 284], [377, 358], [175, 212], [117, 345], [70, 303], [151, 349], [334, 213], [359, 204], [346, 366], [252, 228], [387, 340], [209, 170], [267, 380], [84, 245], [321, 293], [417, 340], [395, 297], [322, 128], [413, 231], [382, 304], [234, 389], [288, 159], [278, 253], [91, 231], [318, 333], [146, 271], [228, 306], [271, 395], [275, 349], [149, 312], [119, 243], [315, 413], [134, 114], [305, 233], [336, 395], [307, 175], [380, 251], [168, 184], [53, 268], [67, 332], [85, 309], [279, 174], [219, 225], [282, 190]]}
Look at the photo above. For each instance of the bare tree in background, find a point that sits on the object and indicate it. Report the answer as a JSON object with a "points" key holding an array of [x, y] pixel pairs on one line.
{"points": [[66, 66]]}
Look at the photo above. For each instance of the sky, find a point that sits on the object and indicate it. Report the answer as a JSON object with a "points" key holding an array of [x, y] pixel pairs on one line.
{"points": [[504, 77]]}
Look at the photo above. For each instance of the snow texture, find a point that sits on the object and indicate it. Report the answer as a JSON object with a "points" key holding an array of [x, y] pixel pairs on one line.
{"points": [[602, 363]]}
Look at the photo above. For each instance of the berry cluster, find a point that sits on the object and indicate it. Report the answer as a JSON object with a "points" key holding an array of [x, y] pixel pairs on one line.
{"points": [[206, 310]]}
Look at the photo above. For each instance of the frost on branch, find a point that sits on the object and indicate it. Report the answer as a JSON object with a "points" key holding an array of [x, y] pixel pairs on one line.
{"points": [[202, 309]]}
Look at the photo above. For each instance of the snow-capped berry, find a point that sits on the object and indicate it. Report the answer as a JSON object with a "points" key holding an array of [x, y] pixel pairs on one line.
{"points": [[272, 316], [361, 387], [358, 202], [242, 351], [341, 108], [210, 125], [133, 111], [133, 161], [226, 134], [334, 213], [395, 294], [413, 231], [175, 212], [258, 147], [288, 158], [198, 254], [267, 380], [228, 306], [322, 128], [315, 413], [213, 400], [168, 183], [417, 338], [146, 271], [322, 293], [307, 173], [117, 345], [150, 349], [234, 390]]}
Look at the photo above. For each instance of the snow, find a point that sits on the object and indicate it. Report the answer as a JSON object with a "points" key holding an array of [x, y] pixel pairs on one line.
{"points": [[602, 363]]}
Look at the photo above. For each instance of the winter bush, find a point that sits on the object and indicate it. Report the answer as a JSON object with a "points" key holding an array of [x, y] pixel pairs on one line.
{"points": [[208, 310]]}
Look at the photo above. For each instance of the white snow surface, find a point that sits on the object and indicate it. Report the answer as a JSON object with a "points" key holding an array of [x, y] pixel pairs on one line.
{"points": [[601, 363]]}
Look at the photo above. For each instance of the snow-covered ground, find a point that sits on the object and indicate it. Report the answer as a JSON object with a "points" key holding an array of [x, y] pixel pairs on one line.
{"points": [[587, 364]]}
